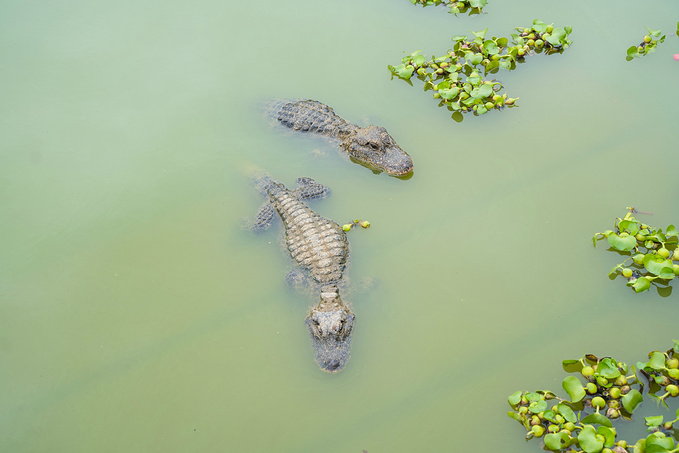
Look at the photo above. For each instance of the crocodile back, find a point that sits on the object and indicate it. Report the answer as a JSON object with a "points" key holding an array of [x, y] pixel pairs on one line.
{"points": [[312, 116], [316, 243]]}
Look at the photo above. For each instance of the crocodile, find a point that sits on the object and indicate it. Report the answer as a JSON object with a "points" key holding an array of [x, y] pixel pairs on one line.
{"points": [[320, 246], [371, 146]]}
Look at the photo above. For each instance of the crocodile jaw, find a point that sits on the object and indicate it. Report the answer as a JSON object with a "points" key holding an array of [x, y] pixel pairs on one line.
{"points": [[331, 337]]}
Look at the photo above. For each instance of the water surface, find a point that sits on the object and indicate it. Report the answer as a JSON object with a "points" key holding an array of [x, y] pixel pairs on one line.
{"points": [[138, 315]]}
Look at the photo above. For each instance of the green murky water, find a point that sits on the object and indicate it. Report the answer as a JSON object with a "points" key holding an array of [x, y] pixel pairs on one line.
{"points": [[137, 315]]}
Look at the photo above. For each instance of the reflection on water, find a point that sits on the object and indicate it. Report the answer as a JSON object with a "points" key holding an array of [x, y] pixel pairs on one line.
{"points": [[139, 316]]}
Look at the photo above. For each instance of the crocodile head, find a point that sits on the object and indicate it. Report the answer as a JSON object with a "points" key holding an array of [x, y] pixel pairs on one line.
{"points": [[374, 147], [330, 324]]}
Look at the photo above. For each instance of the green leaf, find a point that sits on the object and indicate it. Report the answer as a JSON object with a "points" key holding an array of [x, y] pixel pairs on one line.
{"points": [[402, 71], [419, 60], [666, 273], [539, 26], [537, 406], [490, 48], [657, 361], [671, 231], [492, 65], [608, 368], [482, 92], [632, 52], [515, 398], [573, 387], [533, 396], [631, 400], [567, 413], [478, 3], [515, 416], [449, 93], [597, 418], [609, 435], [655, 263], [629, 226], [658, 400], [588, 440], [624, 244], [557, 441], [658, 236], [474, 80], [641, 284], [549, 415], [557, 38], [480, 34], [654, 33], [473, 58], [654, 421], [656, 443]]}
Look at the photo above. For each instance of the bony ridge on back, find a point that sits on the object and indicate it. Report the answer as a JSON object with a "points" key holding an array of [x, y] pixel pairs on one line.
{"points": [[371, 146], [320, 246]]}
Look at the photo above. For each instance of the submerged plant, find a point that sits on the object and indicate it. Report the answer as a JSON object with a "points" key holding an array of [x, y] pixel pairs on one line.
{"points": [[473, 6], [653, 256], [455, 76], [611, 391], [648, 44]]}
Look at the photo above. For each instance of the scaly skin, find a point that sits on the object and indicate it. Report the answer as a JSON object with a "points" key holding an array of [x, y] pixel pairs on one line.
{"points": [[320, 246], [316, 243], [371, 146]]}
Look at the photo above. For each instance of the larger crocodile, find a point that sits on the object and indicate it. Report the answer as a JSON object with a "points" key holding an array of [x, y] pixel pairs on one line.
{"points": [[320, 246], [371, 146]]}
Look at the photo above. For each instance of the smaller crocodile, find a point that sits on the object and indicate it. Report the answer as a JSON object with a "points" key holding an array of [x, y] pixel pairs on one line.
{"points": [[320, 246], [371, 146]]}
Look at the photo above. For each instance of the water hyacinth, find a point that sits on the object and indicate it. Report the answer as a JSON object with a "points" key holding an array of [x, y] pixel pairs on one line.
{"points": [[455, 77], [455, 7], [653, 255], [611, 391], [362, 223], [647, 45]]}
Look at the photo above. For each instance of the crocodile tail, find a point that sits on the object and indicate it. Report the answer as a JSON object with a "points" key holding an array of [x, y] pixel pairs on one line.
{"points": [[262, 181], [311, 116]]}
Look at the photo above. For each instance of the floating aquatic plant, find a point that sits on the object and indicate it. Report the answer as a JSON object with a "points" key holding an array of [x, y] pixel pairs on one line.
{"points": [[473, 6], [455, 76], [611, 391], [361, 223], [653, 256], [648, 44]]}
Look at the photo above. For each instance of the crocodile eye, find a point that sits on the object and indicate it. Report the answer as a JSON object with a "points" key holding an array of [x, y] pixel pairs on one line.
{"points": [[374, 146]]}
